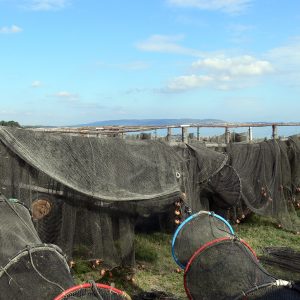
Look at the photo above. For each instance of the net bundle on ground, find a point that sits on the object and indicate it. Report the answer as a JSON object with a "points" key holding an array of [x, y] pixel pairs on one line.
{"points": [[196, 231], [283, 257], [265, 170], [86, 192], [28, 268], [227, 269]]}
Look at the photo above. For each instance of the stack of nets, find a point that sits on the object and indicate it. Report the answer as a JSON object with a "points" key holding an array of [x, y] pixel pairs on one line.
{"points": [[284, 257], [87, 192], [196, 231], [28, 268], [269, 178], [227, 268]]}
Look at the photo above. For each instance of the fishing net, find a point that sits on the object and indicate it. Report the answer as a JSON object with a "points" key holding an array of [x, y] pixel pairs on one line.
{"points": [[225, 268], [266, 178], [283, 257], [223, 190], [196, 231], [272, 293], [93, 291], [87, 192], [28, 268]]}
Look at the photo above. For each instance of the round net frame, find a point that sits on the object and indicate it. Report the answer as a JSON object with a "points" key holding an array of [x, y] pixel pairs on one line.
{"points": [[195, 231], [226, 268], [93, 291]]}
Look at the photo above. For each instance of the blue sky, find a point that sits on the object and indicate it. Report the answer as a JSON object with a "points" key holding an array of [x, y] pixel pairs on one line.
{"points": [[68, 62]]}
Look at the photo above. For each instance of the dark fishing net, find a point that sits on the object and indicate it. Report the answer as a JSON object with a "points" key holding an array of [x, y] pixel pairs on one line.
{"points": [[266, 177], [272, 293], [283, 257], [93, 291], [196, 231], [28, 268], [87, 192], [223, 269], [108, 169], [223, 190], [294, 158]]}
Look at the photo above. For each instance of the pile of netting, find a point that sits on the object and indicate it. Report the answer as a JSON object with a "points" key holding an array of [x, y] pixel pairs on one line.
{"points": [[284, 257], [269, 173], [86, 193], [218, 265], [28, 268]]}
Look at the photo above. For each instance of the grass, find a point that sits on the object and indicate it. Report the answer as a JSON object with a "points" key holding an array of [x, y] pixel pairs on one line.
{"points": [[155, 268]]}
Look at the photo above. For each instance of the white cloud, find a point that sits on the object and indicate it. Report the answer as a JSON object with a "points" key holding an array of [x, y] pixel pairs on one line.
{"points": [[166, 44], [221, 72], [36, 84], [245, 65], [228, 6], [11, 29], [286, 60], [67, 96], [188, 82], [45, 5]]}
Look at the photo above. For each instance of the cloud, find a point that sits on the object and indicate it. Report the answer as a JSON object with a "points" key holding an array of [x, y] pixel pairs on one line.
{"points": [[221, 72], [10, 30], [188, 82], [166, 44], [130, 66], [286, 60], [67, 96], [227, 6], [36, 84], [46, 5], [245, 65], [74, 101]]}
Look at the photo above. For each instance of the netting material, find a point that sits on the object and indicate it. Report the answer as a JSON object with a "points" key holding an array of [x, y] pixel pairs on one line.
{"points": [[266, 176], [196, 231], [109, 169], [93, 291], [28, 268], [223, 269], [35, 166]]}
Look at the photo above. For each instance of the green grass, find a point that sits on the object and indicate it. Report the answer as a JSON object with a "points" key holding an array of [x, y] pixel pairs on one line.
{"points": [[156, 269]]}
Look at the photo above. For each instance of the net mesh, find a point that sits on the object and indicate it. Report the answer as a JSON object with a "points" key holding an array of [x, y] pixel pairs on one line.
{"points": [[196, 231], [273, 293], [93, 292], [87, 192], [28, 269], [223, 269], [266, 176]]}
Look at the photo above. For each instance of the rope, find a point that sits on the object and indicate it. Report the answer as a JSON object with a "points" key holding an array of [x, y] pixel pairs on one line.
{"points": [[41, 275]]}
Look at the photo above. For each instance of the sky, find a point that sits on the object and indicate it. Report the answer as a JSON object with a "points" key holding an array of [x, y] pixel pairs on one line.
{"points": [[66, 62]]}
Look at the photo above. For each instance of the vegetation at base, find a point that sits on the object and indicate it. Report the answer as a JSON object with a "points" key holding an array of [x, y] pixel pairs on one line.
{"points": [[156, 270], [10, 123]]}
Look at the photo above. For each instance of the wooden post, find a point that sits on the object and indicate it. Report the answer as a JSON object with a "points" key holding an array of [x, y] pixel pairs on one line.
{"points": [[155, 134], [198, 133], [184, 133], [274, 132], [169, 134], [227, 135], [250, 135]]}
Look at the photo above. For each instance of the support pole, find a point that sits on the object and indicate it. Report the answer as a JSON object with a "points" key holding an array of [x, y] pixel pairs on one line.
{"points": [[198, 133], [250, 134], [184, 133], [274, 132], [169, 134], [227, 135]]}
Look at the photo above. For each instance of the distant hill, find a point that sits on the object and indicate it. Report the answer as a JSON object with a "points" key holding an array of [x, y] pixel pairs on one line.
{"points": [[149, 122]]}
